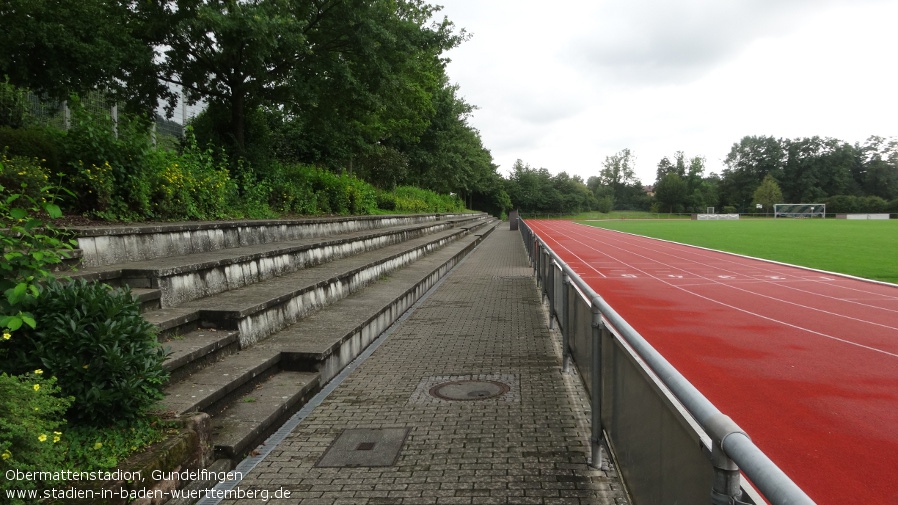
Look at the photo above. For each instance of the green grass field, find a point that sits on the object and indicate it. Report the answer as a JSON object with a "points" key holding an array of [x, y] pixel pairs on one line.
{"points": [[862, 248]]}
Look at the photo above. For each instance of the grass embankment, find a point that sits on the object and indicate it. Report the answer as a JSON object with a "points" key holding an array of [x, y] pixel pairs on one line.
{"points": [[861, 248]]}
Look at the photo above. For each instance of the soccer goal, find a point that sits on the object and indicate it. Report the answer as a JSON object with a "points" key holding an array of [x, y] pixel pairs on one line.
{"points": [[799, 210]]}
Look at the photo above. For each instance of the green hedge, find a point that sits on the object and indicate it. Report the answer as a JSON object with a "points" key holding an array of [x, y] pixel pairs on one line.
{"points": [[93, 339]]}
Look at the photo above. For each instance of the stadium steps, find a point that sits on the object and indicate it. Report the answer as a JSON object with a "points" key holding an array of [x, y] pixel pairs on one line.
{"points": [[187, 277], [316, 346], [253, 353]]}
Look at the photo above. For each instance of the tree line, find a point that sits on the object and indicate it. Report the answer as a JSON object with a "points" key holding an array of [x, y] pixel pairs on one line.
{"points": [[354, 86], [360, 87], [860, 177]]}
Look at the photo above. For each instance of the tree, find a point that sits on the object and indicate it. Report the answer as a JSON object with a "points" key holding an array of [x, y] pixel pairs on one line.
{"points": [[618, 174], [768, 193], [618, 169], [352, 72], [603, 195], [59, 48], [880, 167], [664, 167], [748, 162], [818, 167], [449, 154], [671, 192]]}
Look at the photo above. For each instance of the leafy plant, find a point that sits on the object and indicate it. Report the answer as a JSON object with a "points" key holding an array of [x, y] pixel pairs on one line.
{"points": [[90, 448], [43, 144], [93, 338], [191, 185], [29, 247], [119, 149], [23, 175], [31, 428], [13, 105]]}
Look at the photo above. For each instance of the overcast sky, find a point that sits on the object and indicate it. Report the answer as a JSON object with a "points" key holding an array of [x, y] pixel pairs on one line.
{"points": [[563, 84]]}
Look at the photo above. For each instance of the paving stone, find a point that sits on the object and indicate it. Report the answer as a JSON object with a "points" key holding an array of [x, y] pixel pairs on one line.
{"points": [[528, 445]]}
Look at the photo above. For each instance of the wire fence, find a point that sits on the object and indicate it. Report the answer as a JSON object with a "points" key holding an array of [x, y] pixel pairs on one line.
{"points": [[36, 111]]}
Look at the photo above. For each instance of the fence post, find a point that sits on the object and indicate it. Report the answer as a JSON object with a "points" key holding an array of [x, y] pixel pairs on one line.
{"points": [[598, 330], [538, 258], [113, 113], [565, 323], [726, 489], [550, 291], [534, 247]]}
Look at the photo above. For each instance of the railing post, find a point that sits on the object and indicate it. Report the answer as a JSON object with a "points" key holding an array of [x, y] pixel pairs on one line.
{"points": [[550, 290], [598, 330], [726, 489], [565, 323]]}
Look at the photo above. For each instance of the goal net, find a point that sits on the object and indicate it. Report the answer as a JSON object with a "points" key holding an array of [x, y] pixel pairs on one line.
{"points": [[799, 210]]}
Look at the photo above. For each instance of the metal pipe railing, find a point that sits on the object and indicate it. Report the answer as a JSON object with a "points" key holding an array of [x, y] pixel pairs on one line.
{"points": [[732, 450]]}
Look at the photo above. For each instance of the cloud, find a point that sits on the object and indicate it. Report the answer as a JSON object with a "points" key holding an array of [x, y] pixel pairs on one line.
{"points": [[563, 85], [650, 42]]}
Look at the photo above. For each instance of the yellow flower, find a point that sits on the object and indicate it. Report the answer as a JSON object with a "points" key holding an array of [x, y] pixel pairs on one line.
{"points": [[7, 335], [38, 372], [42, 438], [37, 387], [57, 436], [6, 455], [97, 446], [86, 367]]}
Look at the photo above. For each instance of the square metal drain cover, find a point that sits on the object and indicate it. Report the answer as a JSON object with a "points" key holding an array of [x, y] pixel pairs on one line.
{"points": [[365, 447]]}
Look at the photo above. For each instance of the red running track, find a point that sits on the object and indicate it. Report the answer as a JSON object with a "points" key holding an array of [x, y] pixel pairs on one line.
{"points": [[805, 362]]}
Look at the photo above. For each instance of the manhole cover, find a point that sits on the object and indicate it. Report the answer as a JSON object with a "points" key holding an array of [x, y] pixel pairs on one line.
{"points": [[469, 390], [365, 447]]}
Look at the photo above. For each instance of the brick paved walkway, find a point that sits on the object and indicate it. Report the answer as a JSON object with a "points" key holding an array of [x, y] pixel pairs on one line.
{"points": [[527, 445]]}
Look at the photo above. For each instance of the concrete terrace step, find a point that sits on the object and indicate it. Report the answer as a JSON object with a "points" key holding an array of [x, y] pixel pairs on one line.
{"points": [[259, 413], [149, 299], [191, 350], [122, 244], [181, 279], [260, 309], [250, 393], [329, 339], [198, 349]]}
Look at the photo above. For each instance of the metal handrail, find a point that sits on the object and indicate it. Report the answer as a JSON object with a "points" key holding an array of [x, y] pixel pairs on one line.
{"points": [[728, 439]]}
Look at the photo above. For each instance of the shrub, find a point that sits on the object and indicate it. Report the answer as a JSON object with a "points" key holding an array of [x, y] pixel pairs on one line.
{"points": [[13, 105], [23, 175], [31, 420], [892, 207], [93, 338], [362, 196], [291, 189], [89, 448], [41, 143], [386, 201], [29, 248], [120, 149], [874, 204], [412, 199], [192, 184]]}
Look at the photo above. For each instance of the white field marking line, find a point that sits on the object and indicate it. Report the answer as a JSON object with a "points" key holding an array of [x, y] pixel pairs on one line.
{"points": [[671, 246], [582, 261], [761, 316]]}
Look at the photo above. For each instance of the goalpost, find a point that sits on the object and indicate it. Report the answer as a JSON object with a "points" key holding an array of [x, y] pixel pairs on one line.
{"points": [[799, 210]]}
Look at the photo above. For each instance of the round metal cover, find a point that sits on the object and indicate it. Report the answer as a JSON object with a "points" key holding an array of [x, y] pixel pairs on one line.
{"points": [[469, 390]]}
